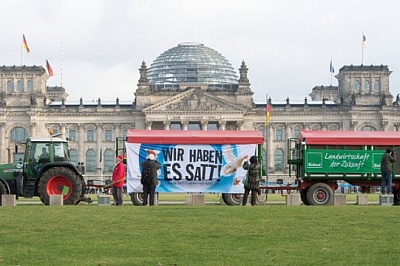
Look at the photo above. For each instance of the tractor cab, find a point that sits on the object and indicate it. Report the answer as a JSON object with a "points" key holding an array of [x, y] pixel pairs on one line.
{"points": [[40, 151]]}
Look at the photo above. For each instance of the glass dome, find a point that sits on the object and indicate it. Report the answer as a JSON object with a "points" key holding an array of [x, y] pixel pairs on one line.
{"points": [[191, 63]]}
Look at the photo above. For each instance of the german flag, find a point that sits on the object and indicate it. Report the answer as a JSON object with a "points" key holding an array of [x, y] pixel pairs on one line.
{"points": [[49, 70], [267, 113], [25, 44]]}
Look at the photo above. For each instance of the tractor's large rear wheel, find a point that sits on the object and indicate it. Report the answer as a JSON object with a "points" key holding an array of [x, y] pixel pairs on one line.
{"points": [[60, 180], [3, 191]]}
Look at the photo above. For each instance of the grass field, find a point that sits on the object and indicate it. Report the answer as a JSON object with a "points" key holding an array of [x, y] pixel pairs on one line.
{"points": [[199, 235]]}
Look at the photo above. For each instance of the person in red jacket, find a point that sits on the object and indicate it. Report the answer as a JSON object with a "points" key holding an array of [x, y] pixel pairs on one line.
{"points": [[118, 180]]}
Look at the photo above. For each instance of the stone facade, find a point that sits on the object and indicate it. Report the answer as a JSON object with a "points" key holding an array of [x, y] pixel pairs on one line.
{"points": [[362, 101]]}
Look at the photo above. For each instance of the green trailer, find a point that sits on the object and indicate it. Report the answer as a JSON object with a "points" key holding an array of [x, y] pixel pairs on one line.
{"points": [[320, 159]]}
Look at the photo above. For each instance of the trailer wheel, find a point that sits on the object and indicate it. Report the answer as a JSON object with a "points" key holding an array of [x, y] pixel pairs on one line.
{"points": [[320, 194], [137, 199], [60, 180], [232, 199], [3, 191], [303, 196]]}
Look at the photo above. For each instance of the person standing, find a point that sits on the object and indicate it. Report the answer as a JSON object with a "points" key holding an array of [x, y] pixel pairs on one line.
{"points": [[118, 181], [253, 181], [149, 178], [386, 169]]}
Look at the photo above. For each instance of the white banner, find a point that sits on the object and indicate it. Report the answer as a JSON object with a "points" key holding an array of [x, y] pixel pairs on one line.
{"points": [[191, 168]]}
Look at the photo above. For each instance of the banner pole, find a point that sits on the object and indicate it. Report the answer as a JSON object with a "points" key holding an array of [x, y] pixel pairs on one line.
{"points": [[266, 140]]}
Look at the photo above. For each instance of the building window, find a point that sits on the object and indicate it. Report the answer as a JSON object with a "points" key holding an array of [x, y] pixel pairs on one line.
{"points": [[296, 132], [212, 126], [194, 126], [278, 134], [73, 155], [90, 135], [109, 161], [366, 85], [19, 134], [20, 86], [377, 85], [90, 161], [357, 85], [175, 126], [367, 128], [108, 135], [10, 86], [124, 133], [278, 159], [29, 85], [72, 135]]}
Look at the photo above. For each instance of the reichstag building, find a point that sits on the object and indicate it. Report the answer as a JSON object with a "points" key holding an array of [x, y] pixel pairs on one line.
{"points": [[187, 87]]}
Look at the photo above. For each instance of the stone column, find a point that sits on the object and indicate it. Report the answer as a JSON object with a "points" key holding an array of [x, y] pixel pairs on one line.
{"points": [[81, 138], [99, 150], [148, 125], [222, 125], [117, 130], [33, 129], [3, 149], [384, 125], [63, 130], [239, 125], [167, 125], [204, 125], [185, 125]]}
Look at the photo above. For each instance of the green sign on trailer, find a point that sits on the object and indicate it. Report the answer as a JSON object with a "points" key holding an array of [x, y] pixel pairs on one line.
{"points": [[342, 161]]}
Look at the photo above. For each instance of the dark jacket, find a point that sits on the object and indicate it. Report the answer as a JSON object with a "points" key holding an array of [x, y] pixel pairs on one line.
{"points": [[154, 165], [386, 162], [252, 171]]}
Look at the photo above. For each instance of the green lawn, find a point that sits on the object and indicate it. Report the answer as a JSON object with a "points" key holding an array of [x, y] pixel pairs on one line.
{"points": [[199, 235]]}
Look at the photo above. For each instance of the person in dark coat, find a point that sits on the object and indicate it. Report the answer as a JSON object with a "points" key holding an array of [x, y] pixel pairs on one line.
{"points": [[386, 169], [149, 186], [253, 180]]}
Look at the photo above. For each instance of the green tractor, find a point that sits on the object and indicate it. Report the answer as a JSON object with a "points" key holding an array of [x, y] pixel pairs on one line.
{"points": [[46, 170]]}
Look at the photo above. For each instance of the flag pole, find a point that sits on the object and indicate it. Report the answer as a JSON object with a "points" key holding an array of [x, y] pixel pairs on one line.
{"points": [[266, 139], [22, 53], [330, 70], [362, 52], [362, 48]]}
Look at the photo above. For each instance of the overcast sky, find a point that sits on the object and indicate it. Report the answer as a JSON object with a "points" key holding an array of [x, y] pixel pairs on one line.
{"points": [[286, 44]]}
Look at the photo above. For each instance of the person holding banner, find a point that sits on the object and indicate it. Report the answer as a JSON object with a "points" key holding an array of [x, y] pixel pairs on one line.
{"points": [[149, 178], [252, 182], [118, 180]]}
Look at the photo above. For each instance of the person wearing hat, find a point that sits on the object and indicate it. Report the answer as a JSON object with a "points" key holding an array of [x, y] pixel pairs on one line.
{"points": [[118, 180], [149, 178]]}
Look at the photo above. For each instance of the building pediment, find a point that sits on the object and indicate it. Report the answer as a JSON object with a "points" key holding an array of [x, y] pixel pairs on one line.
{"points": [[191, 101]]}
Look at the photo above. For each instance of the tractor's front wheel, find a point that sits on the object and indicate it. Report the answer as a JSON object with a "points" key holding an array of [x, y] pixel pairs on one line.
{"points": [[60, 180]]}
